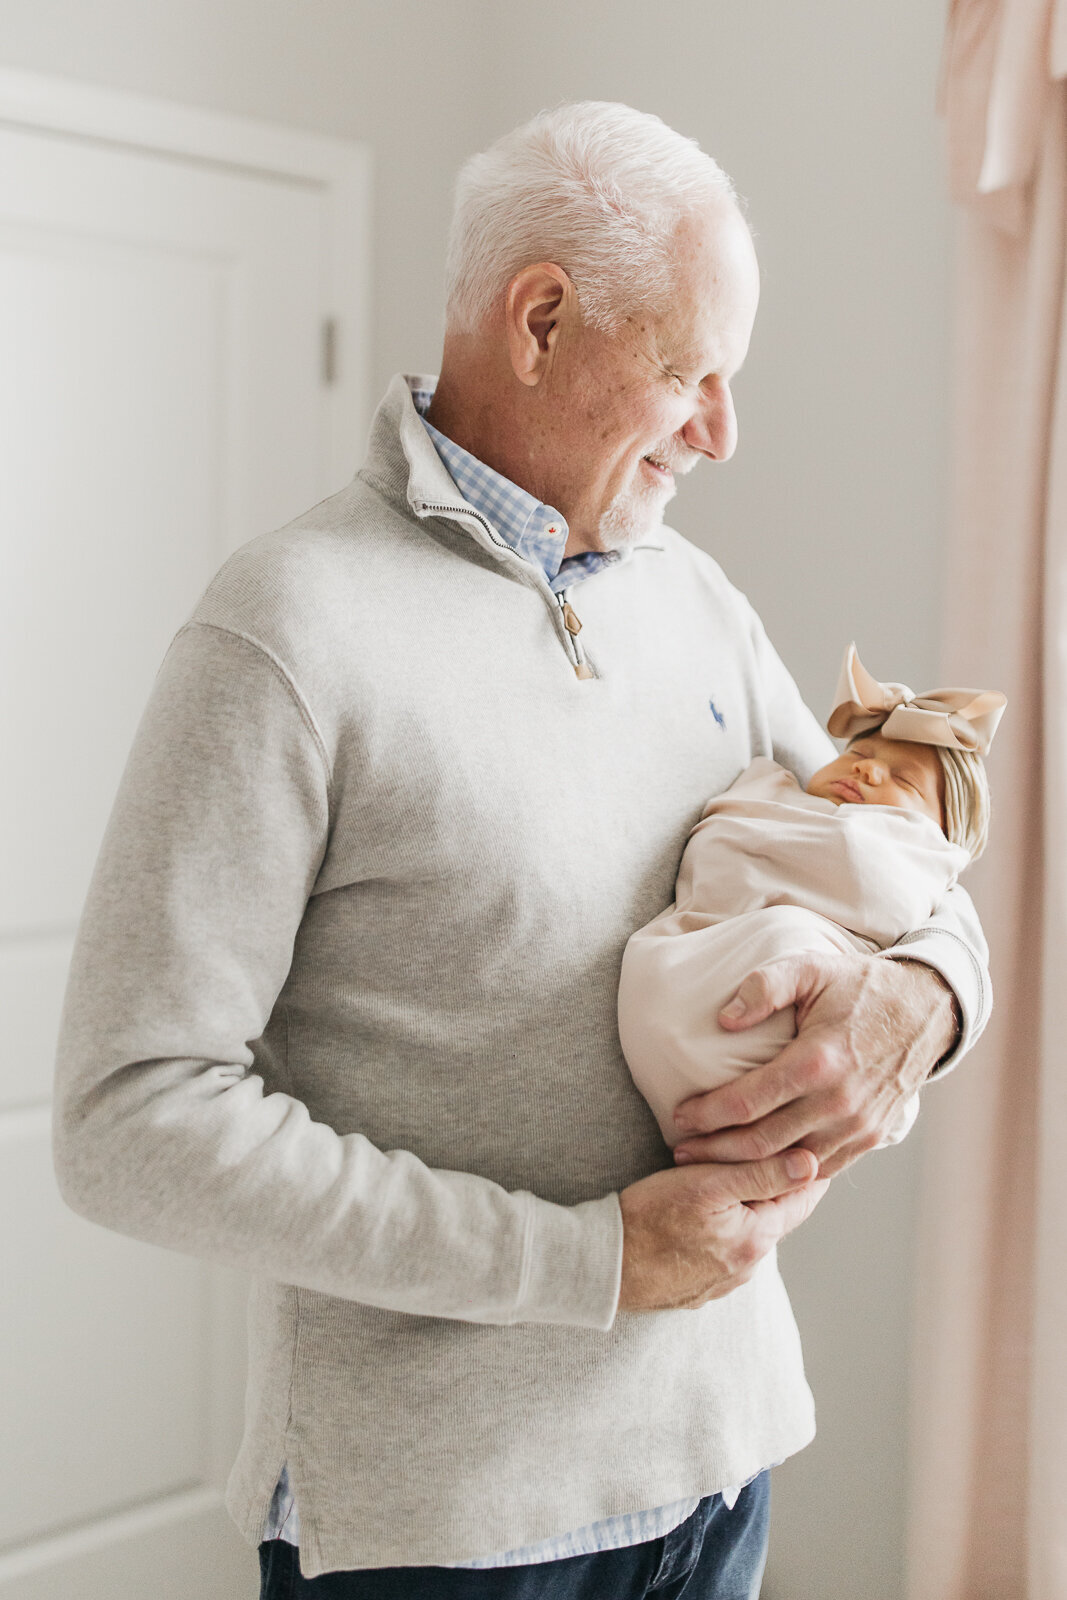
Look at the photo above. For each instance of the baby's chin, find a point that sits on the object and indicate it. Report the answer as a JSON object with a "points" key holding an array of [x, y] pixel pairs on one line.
{"points": [[823, 794]]}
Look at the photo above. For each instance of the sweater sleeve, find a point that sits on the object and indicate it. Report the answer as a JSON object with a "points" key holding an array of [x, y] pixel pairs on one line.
{"points": [[951, 939], [952, 942], [162, 1128]]}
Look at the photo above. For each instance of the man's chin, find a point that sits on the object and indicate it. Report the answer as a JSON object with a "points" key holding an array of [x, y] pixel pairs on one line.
{"points": [[631, 518]]}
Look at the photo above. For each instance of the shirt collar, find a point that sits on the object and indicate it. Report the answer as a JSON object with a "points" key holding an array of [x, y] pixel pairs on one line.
{"points": [[534, 531]]}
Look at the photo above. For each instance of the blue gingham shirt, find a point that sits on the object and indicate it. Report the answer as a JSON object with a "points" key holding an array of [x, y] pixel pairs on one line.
{"points": [[539, 534], [534, 531]]}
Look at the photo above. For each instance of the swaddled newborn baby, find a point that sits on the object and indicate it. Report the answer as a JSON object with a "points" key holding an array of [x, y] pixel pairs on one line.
{"points": [[853, 862]]}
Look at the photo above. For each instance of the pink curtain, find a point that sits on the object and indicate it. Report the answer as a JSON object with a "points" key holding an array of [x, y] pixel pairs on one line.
{"points": [[988, 1518]]}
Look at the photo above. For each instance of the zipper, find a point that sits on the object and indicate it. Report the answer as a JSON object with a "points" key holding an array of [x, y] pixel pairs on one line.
{"points": [[572, 626], [426, 509]]}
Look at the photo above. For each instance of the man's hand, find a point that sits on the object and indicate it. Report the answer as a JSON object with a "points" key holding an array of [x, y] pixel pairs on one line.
{"points": [[869, 1032], [692, 1236]]}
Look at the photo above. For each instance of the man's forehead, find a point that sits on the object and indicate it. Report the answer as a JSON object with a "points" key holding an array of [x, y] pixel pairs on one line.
{"points": [[677, 337], [716, 287], [699, 335]]}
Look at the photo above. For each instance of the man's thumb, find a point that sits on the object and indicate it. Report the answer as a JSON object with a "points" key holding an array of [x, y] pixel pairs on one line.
{"points": [[786, 981], [765, 1180]]}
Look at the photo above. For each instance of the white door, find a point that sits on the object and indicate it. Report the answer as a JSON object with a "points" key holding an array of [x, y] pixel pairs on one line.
{"points": [[163, 397]]}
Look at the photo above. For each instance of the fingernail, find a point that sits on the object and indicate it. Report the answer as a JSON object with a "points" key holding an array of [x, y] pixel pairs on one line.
{"points": [[797, 1164], [736, 1008], [682, 1156]]}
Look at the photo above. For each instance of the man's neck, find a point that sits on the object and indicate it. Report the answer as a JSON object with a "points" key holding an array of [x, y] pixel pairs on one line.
{"points": [[480, 405], [470, 406]]}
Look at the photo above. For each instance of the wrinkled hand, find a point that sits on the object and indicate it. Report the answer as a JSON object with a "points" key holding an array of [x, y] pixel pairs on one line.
{"points": [[694, 1235], [869, 1032]]}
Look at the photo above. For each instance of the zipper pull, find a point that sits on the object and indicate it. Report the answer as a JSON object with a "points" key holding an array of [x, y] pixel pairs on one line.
{"points": [[573, 625]]}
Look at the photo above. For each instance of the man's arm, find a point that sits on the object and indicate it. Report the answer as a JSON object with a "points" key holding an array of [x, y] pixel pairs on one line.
{"points": [[162, 1130], [951, 941], [869, 1033], [687, 1245], [870, 1029]]}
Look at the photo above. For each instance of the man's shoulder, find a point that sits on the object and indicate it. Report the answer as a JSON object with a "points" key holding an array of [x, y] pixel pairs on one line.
{"points": [[296, 576], [684, 567]]}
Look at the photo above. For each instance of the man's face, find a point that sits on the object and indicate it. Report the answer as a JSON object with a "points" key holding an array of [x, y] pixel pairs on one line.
{"points": [[638, 407]]}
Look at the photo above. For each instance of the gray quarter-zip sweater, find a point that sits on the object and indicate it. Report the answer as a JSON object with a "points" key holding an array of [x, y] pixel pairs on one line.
{"points": [[342, 1010]]}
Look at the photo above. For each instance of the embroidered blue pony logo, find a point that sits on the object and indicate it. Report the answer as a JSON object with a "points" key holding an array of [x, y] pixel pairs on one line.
{"points": [[717, 714]]}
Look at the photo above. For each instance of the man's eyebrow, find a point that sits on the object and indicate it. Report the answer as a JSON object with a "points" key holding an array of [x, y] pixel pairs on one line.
{"points": [[701, 363], [690, 354]]}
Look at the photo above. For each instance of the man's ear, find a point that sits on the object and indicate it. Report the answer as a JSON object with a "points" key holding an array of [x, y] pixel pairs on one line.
{"points": [[539, 300]]}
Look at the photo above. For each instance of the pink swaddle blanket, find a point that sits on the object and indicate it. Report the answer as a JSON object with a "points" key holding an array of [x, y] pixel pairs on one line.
{"points": [[768, 871]]}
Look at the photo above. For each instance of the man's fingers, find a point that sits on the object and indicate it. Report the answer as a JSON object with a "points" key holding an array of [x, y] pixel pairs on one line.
{"points": [[765, 1138], [788, 1211], [753, 1095], [771, 988], [759, 1180], [694, 1234], [843, 1155]]}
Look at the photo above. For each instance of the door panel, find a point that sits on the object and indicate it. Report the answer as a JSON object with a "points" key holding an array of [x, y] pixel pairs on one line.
{"points": [[33, 973], [186, 1551], [109, 1341], [115, 488], [161, 401]]}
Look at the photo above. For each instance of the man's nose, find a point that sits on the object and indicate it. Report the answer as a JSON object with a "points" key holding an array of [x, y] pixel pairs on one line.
{"points": [[712, 429]]}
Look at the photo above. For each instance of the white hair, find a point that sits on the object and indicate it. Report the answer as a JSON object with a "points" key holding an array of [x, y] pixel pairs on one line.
{"points": [[597, 188]]}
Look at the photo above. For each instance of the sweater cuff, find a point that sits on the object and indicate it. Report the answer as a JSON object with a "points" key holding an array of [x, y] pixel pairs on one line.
{"points": [[957, 963], [572, 1266]]}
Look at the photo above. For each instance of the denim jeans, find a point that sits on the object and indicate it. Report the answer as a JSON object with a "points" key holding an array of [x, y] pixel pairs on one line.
{"points": [[716, 1554]]}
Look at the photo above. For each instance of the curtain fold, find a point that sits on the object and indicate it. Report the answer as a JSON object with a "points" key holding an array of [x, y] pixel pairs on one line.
{"points": [[988, 1512]]}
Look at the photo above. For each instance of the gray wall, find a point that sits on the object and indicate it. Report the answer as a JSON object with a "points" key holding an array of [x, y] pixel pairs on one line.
{"points": [[830, 516]]}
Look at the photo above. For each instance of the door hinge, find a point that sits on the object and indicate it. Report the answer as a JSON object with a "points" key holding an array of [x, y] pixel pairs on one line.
{"points": [[329, 350]]}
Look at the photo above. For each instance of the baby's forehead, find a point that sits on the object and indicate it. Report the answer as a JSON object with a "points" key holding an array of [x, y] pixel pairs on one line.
{"points": [[895, 749]]}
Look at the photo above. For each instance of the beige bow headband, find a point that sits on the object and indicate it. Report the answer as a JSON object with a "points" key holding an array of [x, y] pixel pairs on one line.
{"points": [[962, 719]]}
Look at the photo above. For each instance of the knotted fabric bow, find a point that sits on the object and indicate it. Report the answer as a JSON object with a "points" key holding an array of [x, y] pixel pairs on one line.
{"points": [[962, 719]]}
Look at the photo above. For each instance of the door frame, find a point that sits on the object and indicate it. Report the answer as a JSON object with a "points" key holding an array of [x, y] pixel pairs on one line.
{"points": [[341, 171], [340, 168]]}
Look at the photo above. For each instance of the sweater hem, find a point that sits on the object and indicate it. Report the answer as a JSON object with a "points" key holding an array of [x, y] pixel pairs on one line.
{"points": [[325, 1551]]}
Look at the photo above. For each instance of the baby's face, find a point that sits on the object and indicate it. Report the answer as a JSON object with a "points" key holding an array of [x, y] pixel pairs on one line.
{"points": [[874, 771]]}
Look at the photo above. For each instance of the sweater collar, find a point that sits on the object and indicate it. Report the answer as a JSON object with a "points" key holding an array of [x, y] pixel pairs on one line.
{"points": [[533, 530], [403, 463]]}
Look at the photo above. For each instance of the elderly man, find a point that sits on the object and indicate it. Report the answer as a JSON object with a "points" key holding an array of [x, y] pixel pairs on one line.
{"points": [[342, 1008]]}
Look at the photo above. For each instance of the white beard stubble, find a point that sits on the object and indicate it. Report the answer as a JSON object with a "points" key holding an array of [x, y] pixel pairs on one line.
{"points": [[638, 509]]}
